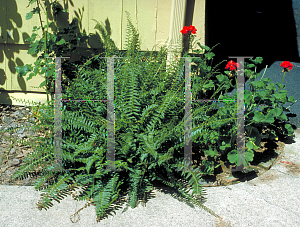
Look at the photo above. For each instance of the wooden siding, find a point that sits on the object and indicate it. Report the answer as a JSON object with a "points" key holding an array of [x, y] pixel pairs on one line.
{"points": [[150, 17]]}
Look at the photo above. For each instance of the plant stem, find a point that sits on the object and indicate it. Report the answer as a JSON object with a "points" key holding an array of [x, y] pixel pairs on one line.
{"points": [[46, 50], [37, 2], [281, 81], [45, 34], [263, 74]]}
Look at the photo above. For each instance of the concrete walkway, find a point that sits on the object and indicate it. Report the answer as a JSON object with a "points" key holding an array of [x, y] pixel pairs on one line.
{"points": [[272, 199]]}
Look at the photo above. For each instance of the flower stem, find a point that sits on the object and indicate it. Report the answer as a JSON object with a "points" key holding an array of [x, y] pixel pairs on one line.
{"points": [[282, 81], [263, 74]]}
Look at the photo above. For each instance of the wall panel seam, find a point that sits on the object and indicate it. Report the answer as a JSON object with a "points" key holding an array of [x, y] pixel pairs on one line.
{"points": [[122, 14]]}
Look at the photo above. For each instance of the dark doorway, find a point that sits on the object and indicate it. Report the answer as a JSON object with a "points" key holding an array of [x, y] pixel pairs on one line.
{"points": [[263, 28]]}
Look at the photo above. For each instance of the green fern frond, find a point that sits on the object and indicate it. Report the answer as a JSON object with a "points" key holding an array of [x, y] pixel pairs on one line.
{"points": [[39, 158], [148, 144], [77, 122], [108, 42], [107, 194], [40, 182], [55, 192], [146, 112], [197, 191], [87, 146], [134, 178], [132, 37]]}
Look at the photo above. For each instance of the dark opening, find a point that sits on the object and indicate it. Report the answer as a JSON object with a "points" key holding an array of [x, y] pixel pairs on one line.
{"points": [[263, 28]]}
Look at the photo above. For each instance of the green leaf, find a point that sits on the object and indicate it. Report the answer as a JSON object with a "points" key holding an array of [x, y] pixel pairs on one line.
{"points": [[23, 70], [258, 116], [90, 162], [31, 2], [209, 85], [204, 47], [262, 94], [257, 60], [29, 15], [291, 99], [251, 145], [249, 154], [271, 87], [44, 69], [231, 156], [143, 156], [278, 85], [224, 145], [211, 152], [276, 112], [48, 73], [221, 78], [257, 84], [268, 118], [280, 96], [30, 76], [209, 55], [43, 84], [289, 128], [248, 97], [36, 69], [282, 117], [62, 41], [32, 51], [283, 91], [251, 65], [267, 80], [19, 69], [234, 157]]}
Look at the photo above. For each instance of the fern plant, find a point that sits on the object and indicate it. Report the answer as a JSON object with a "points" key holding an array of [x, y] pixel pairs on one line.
{"points": [[149, 132]]}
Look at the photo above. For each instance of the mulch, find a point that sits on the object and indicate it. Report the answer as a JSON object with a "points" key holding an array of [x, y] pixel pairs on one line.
{"points": [[12, 153]]}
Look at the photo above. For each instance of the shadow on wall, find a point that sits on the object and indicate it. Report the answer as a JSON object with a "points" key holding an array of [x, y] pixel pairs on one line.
{"points": [[259, 28], [10, 35]]}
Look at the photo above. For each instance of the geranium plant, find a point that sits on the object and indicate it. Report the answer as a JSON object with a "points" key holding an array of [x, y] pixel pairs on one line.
{"points": [[255, 121], [287, 66], [263, 95]]}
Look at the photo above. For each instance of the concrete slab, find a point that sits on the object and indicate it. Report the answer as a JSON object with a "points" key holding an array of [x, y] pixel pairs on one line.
{"points": [[272, 199]]}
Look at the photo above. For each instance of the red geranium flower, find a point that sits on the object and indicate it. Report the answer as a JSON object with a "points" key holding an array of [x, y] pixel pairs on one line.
{"points": [[188, 30], [192, 29], [184, 30], [286, 66], [232, 65]]}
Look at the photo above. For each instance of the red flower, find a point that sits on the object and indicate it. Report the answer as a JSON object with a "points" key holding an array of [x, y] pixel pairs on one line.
{"points": [[192, 29], [188, 30], [286, 66], [184, 30], [232, 65]]}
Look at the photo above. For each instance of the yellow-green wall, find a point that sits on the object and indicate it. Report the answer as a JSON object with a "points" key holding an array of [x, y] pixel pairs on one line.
{"points": [[150, 17]]}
